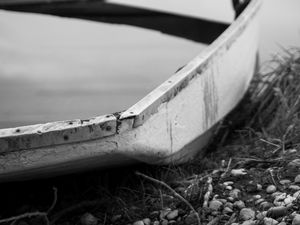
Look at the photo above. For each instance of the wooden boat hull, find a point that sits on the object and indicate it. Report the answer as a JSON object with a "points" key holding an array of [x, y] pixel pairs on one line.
{"points": [[170, 125]]}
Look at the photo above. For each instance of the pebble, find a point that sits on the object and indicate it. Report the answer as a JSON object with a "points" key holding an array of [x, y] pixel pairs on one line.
{"points": [[140, 222], [285, 182], [164, 222], [288, 200], [296, 194], [227, 210], [164, 212], [239, 204], [231, 199], [229, 188], [276, 212], [146, 221], [282, 223], [227, 183], [249, 222], [271, 189], [257, 202], [156, 222], [297, 179], [294, 187], [275, 194], [215, 205], [257, 196], [238, 172], [88, 219], [235, 193], [296, 220], [191, 219], [247, 214], [294, 163], [229, 205], [270, 221], [266, 205], [261, 215], [259, 187], [115, 218], [222, 200], [172, 215]]}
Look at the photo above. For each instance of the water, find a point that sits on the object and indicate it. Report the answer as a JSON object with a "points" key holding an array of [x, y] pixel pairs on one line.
{"points": [[56, 69]]}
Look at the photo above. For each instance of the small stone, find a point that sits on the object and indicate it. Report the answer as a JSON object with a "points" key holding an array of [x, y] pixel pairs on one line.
{"points": [[247, 214], [259, 187], [164, 222], [276, 212], [238, 172], [257, 202], [156, 222], [222, 200], [227, 183], [249, 222], [275, 194], [164, 212], [266, 205], [284, 182], [172, 222], [239, 204], [261, 215], [296, 194], [146, 221], [257, 197], [231, 199], [288, 200], [229, 188], [235, 193], [215, 205], [295, 163], [296, 220], [229, 205], [191, 219], [271, 189], [140, 222], [172, 215], [282, 223], [227, 210], [88, 219], [270, 221], [294, 187], [115, 218], [297, 179]]}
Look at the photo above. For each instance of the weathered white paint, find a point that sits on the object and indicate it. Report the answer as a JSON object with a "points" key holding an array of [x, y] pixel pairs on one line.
{"points": [[169, 124]]}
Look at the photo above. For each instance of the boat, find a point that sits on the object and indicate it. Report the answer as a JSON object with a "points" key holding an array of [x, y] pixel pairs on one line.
{"points": [[170, 125]]}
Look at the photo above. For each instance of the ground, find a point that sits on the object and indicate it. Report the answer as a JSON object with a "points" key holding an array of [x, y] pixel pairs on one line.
{"points": [[250, 174]]}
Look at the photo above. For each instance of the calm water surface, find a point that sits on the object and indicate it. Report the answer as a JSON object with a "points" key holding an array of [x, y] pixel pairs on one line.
{"points": [[56, 69]]}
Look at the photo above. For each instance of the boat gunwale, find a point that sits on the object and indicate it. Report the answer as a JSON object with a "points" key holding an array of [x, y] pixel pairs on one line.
{"points": [[55, 133]]}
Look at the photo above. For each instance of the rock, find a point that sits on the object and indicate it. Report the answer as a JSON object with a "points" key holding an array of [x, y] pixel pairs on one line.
{"points": [[275, 194], [284, 182], [215, 205], [140, 222], [247, 214], [115, 218], [295, 163], [227, 183], [222, 200], [164, 212], [259, 187], [296, 220], [231, 199], [239, 204], [249, 222], [271, 189], [270, 221], [261, 215], [297, 179], [146, 221], [229, 205], [156, 222], [288, 200], [172, 222], [172, 215], [294, 187], [238, 172], [296, 194], [257, 197], [164, 222], [191, 219], [227, 210], [276, 212], [257, 202], [265, 206], [229, 188], [88, 219], [282, 223], [235, 193]]}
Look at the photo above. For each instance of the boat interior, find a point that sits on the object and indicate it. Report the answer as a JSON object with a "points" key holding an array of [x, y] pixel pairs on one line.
{"points": [[68, 59]]}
